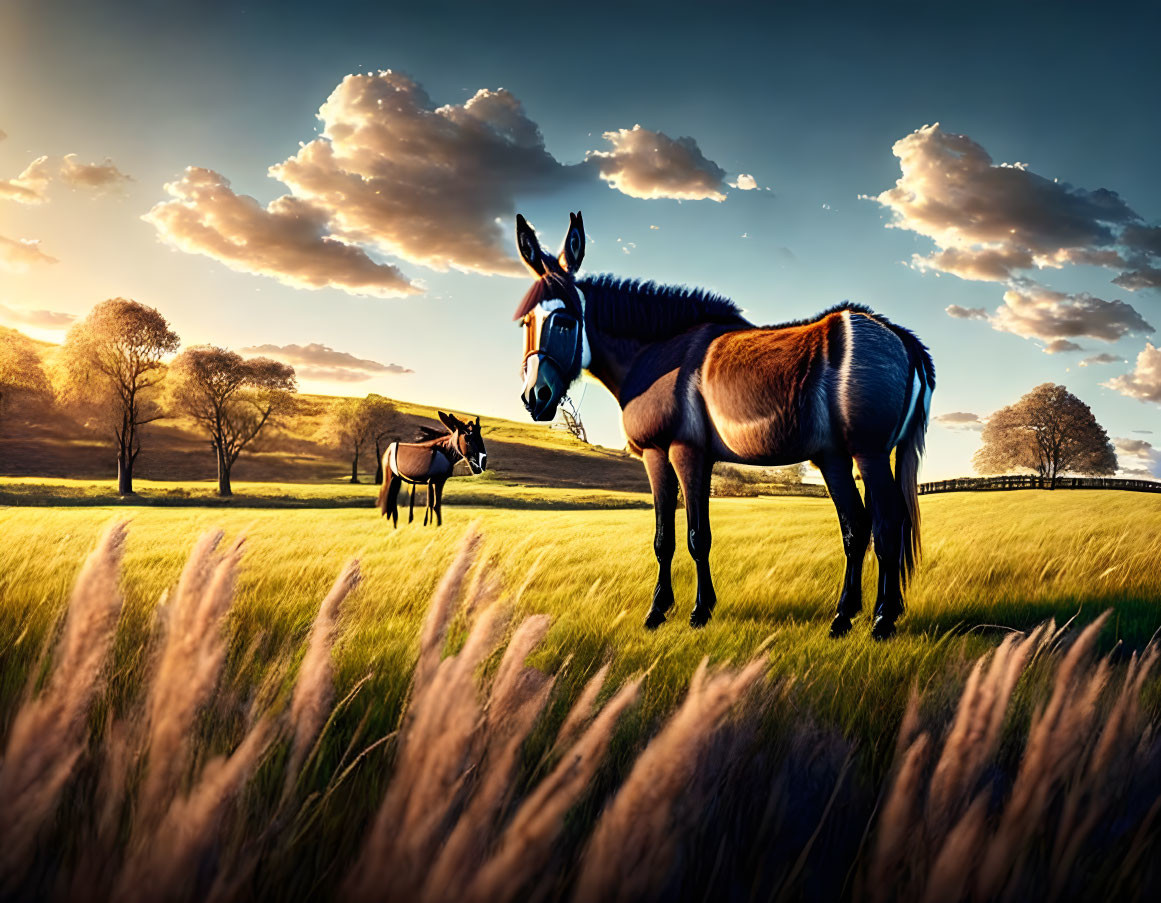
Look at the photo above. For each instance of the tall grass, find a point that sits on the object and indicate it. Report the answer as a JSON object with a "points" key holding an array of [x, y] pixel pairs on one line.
{"points": [[1038, 777]]}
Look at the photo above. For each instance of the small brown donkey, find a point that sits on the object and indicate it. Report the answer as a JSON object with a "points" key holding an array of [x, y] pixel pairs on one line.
{"points": [[698, 383], [430, 462]]}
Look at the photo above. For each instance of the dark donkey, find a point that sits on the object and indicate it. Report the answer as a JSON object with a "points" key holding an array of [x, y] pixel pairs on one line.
{"points": [[430, 462], [698, 383]]}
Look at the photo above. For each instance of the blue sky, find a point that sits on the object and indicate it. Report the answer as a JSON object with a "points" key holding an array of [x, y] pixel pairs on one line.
{"points": [[809, 102]]}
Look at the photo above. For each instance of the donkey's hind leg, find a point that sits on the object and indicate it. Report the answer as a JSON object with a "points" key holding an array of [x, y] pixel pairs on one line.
{"points": [[411, 505], [664, 483], [391, 488], [693, 470], [887, 515], [439, 503], [855, 524]]}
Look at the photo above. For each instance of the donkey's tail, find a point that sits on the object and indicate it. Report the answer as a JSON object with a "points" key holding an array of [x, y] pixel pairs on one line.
{"points": [[910, 446], [389, 489]]}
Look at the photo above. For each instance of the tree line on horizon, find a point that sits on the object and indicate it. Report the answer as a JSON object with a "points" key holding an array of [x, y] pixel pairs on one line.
{"points": [[112, 371]]}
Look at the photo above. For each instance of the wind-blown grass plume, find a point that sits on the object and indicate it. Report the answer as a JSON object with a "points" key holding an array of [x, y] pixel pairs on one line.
{"points": [[949, 834], [48, 734], [629, 853], [1056, 744], [527, 841], [439, 731], [583, 710], [166, 865], [189, 667], [516, 700], [975, 732], [456, 766], [313, 695]]}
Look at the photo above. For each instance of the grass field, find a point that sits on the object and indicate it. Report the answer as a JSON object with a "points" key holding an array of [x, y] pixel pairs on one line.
{"points": [[994, 563]]}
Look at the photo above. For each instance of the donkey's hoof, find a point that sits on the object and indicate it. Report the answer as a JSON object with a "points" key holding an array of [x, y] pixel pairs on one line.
{"points": [[883, 628], [840, 626], [655, 619], [700, 617]]}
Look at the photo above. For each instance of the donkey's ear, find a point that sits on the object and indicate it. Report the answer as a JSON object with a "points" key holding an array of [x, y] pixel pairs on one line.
{"points": [[529, 246], [477, 421], [574, 244], [447, 420]]}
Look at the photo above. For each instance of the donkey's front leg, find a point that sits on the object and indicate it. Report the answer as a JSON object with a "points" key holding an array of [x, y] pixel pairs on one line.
{"points": [[664, 483], [693, 468]]}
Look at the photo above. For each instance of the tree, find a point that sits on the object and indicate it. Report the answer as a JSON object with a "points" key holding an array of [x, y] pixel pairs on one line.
{"points": [[348, 428], [22, 379], [385, 423], [1049, 431], [230, 397], [112, 358], [354, 423]]}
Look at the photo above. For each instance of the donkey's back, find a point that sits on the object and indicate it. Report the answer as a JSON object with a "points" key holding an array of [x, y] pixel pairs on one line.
{"points": [[848, 382]]}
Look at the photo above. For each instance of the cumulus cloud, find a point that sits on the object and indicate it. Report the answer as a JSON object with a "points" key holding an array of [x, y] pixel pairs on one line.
{"points": [[744, 182], [1057, 346], [1037, 312], [97, 176], [966, 313], [31, 186], [1143, 454], [320, 362], [991, 221], [960, 420], [1143, 381], [1103, 358], [1137, 447], [41, 319], [19, 254], [648, 164], [425, 183], [1142, 277], [436, 186], [288, 239]]}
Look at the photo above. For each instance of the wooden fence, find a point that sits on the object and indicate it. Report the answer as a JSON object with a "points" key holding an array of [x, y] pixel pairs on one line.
{"points": [[988, 484]]}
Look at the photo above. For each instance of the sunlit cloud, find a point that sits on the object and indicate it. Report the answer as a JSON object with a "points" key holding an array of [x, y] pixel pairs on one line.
{"points": [[31, 186], [966, 313], [17, 255], [437, 186], [1144, 455], [322, 363], [991, 221], [744, 182], [96, 176], [959, 420], [1059, 346], [1103, 358], [287, 239], [424, 183], [1037, 312], [648, 164], [38, 319], [1143, 382]]}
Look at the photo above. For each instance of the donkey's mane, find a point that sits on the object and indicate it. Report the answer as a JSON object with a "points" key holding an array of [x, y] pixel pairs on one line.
{"points": [[428, 434], [638, 309]]}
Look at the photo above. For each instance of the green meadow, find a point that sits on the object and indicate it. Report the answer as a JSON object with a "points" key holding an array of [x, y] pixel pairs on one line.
{"points": [[993, 563]]}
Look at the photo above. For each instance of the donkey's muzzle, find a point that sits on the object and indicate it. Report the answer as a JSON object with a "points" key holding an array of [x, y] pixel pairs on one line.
{"points": [[543, 388]]}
